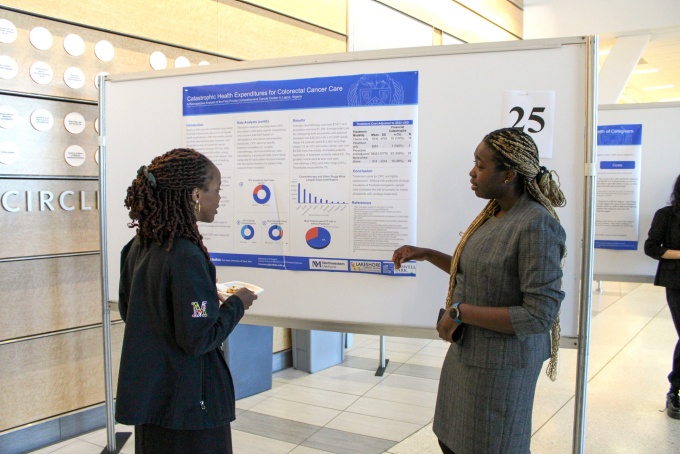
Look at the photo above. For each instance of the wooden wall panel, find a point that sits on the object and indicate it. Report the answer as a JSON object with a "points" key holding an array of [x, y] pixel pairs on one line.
{"points": [[330, 14], [504, 13], [42, 152], [45, 232], [226, 27], [189, 23], [456, 19], [51, 294], [255, 33], [52, 375], [130, 55]]}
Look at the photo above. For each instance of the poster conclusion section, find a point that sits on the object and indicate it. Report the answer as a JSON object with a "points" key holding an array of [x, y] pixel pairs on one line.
{"points": [[318, 174]]}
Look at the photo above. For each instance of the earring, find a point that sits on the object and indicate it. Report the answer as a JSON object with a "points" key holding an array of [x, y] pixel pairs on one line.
{"points": [[197, 207], [507, 181]]}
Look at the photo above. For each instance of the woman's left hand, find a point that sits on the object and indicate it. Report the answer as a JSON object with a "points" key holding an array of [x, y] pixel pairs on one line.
{"points": [[446, 326]]}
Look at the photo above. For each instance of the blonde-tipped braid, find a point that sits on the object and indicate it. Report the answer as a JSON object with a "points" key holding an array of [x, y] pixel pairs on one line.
{"points": [[517, 150]]}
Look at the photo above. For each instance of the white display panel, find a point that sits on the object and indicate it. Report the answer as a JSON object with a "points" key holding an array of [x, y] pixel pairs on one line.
{"points": [[460, 100], [659, 169]]}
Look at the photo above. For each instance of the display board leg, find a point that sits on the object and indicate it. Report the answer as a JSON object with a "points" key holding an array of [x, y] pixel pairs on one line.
{"points": [[383, 360], [121, 439]]}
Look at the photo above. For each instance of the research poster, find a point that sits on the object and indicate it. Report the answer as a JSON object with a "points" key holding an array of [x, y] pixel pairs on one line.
{"points": [[617, 215], [318, 174]]}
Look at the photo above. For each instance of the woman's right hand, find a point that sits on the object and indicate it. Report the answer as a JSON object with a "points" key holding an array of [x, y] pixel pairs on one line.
{"points": [[406, 253], [247, 296]]}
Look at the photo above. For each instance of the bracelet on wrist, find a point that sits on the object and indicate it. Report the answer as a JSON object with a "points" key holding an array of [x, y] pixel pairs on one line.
{"points": [[454, 313]]}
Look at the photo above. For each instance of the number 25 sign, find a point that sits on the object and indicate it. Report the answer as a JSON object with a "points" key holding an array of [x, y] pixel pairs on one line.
{"points": [[533, 112]]}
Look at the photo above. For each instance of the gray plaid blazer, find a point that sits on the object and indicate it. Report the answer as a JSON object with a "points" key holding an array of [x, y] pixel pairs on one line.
{"points": [[513, 261]]}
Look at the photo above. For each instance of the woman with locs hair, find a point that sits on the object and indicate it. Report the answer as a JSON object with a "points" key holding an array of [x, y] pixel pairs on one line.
{"points": [[503, 301], [663, 244], [174, 385]]}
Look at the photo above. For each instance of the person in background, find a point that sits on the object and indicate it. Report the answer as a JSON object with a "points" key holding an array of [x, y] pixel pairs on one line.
{"points": [[174, 385], [505, 292], [663, 244]]}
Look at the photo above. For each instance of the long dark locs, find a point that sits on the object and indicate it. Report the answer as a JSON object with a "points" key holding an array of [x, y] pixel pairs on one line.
{"points": [[675, 197], [159, 198]]}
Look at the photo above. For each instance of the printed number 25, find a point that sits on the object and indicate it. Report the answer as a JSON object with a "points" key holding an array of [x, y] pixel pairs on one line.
{"points": [[532, 117]]}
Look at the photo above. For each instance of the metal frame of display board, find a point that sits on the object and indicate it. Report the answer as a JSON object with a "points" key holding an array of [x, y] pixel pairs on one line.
{"points": [[586, 272]]}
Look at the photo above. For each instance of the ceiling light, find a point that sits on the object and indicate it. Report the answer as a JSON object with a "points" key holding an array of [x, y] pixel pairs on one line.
{"points": [[646, 71], [659, 87], [670, 100]]}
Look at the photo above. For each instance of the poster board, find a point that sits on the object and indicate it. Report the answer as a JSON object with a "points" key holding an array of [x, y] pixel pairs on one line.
{"points": [[659, 169], [460, 96]]}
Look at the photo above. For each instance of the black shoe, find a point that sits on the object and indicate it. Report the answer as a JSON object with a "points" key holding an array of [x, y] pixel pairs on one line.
{"points": [[673, 405]]}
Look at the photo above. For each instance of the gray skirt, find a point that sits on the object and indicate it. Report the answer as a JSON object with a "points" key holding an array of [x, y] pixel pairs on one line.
{"points": [[484, 410]]}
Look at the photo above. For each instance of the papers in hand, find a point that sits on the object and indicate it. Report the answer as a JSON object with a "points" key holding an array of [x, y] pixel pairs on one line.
{"points": [[229, 288]]}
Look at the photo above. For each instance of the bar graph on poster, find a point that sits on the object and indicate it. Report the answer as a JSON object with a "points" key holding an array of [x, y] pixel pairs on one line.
{"points": [[318, 174]]}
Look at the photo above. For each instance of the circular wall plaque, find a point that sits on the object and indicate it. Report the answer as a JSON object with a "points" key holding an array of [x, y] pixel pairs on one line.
{"points": [[96, 78], [41, 73], [104, 50], [74, 123], [158, 60], [182, 62], [74, 77], [41, 38], [8, 67], [74, 155], [74, 45], [8, 117], [8, 32], [9, 152], [42, 120]]}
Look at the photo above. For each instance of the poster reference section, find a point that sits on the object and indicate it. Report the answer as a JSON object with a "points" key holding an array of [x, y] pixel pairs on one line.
{"points": [[617, 219], [318, 174]]}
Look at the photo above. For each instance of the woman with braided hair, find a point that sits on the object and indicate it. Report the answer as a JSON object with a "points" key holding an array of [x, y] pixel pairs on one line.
{"points": [[505, 293], [174, 385]]}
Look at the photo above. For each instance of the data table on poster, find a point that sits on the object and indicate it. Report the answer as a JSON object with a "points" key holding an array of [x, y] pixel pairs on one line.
{"points": [[382, 142]]}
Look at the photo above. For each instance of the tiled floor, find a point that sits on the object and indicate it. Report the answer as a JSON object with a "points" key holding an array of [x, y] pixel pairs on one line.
{"points": [[347, 409]]}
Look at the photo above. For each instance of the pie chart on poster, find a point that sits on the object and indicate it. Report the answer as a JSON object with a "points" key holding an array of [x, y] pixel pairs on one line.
{"points": [[275, 232], [261, 194], [247, 232], [318, 237]]}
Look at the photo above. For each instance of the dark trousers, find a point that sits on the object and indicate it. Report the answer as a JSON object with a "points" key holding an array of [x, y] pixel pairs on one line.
{"points": [[445, 449], [673, 298], [153, 439]]}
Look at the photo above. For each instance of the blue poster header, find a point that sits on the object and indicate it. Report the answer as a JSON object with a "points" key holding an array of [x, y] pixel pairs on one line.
{"points": [[619, 135], [359, 90]]}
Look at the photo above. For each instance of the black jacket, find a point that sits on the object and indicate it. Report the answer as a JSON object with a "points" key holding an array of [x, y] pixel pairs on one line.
{"points": [[664, 234], [172, 372]]}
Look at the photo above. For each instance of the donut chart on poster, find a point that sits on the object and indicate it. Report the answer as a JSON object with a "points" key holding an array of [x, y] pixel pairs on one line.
{"points": [[247, 232], [318, 237], [275, 232], [261, 194]]}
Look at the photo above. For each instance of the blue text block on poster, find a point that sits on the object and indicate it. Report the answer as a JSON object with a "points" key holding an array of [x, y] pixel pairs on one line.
{"points": [[619, 135], [359, 90]]}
